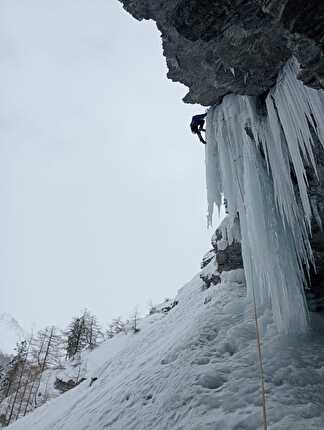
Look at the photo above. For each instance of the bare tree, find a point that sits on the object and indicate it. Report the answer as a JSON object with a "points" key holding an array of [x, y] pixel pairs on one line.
{"points": [[11, 371], [26, 384], [93, 331], [39, 345], [51, 344], [24, 361], [33, 380]]}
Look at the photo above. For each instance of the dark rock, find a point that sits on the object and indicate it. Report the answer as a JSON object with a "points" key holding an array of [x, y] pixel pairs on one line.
{"points": [[230, 258], [208, 299], [168, 308], [217, 47], [64, 386], [92, 381], [210, 279], [225, 255], [316, 195], [217, 236], [207, 258]]}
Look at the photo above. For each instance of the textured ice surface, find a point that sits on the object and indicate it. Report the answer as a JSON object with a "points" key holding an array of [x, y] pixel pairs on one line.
{"points": [[254, 150]]}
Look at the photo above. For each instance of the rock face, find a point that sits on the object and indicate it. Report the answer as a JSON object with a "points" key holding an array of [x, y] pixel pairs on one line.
{"points": [[316, 194], [226, 254], [217, 47]]}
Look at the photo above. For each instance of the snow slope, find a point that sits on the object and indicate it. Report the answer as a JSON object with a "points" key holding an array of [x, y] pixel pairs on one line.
{"points": [[196, 368], [10, 333]]}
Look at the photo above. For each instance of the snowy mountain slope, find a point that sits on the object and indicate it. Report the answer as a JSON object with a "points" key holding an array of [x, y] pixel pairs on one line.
{"points": [[10, 333], [196, 368]]}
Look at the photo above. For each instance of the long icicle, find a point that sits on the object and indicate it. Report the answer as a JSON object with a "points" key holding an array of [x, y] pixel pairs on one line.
{"points": [[250, 155]]}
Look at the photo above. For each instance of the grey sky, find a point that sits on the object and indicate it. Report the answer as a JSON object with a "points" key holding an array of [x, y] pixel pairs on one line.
{"points": [[101, 182]]}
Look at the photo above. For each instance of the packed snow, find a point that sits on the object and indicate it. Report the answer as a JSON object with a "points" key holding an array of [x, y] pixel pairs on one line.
{"points": [[254, 151], [10, 333], [196, 368]]}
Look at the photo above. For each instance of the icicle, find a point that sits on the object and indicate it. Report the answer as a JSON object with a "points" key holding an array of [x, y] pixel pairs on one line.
{"points": [[251, 154]]}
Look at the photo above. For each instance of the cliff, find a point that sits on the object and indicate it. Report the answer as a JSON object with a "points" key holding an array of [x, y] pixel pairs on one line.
{"points": [[232, 46], [223, 48]]}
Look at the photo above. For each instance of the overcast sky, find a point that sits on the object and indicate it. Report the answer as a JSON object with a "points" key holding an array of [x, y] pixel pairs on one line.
{"points": [[102, 185]]}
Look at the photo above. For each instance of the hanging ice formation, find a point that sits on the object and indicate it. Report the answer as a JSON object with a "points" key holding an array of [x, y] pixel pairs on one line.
{"points": [[253, 148]]}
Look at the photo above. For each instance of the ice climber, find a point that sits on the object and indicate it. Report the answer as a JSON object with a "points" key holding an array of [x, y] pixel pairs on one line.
{"points": [[197, 126]]}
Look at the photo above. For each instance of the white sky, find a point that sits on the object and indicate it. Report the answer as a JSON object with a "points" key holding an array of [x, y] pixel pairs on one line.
{"points": [[102, 185]]}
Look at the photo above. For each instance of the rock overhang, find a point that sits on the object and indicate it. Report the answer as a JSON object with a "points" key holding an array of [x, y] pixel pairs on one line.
{"points": [[218, 47]]}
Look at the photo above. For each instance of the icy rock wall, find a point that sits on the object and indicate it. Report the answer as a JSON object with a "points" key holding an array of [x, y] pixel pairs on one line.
{"points": [[223, 47], [315, 294], [257, 153], [226, 254], [227, 245]]}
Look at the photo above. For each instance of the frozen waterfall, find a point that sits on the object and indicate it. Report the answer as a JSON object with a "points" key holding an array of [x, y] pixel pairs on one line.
{"points": [[254, 147]]}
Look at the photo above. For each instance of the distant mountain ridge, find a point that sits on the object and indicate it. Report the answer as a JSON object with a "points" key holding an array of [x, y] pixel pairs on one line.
{"points": [[11, 332]]}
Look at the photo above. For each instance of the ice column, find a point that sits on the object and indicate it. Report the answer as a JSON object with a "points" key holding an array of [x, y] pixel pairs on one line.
{"points": [[253, 148]]}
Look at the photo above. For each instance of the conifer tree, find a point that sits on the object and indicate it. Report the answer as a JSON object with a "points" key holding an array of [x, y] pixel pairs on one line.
{"points": [[83, 332], [76, 337], [134, 321], [25, 349], [115, 327]]}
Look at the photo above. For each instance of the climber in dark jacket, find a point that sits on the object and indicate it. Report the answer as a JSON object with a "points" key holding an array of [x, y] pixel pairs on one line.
{"points": [[197, 126]]}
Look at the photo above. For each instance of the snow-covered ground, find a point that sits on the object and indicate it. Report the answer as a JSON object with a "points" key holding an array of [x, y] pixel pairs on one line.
{"points": [[10, 333], [196, 368]]}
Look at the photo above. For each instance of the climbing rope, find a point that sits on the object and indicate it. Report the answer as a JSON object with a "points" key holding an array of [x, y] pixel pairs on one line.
{"points": [[263, 393]]}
